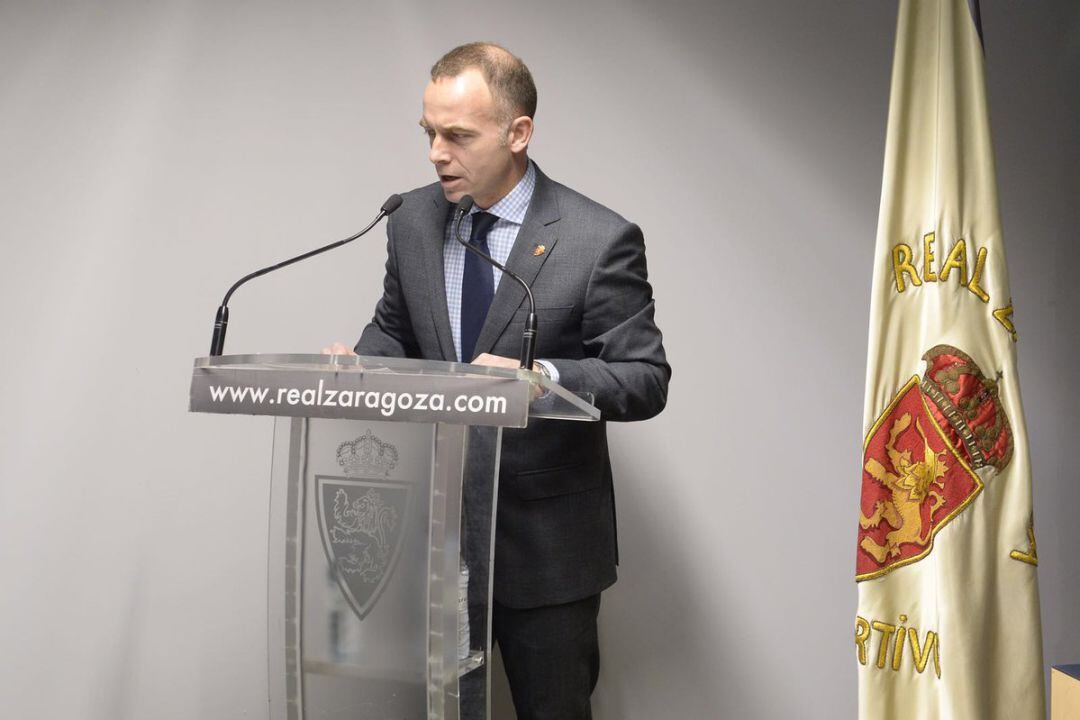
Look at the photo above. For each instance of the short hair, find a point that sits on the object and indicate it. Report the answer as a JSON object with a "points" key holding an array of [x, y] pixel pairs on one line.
{"points": [[511, 83]]}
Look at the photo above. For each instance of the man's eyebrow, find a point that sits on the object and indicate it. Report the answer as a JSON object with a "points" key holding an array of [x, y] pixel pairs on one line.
{"points": [[453, 128]]}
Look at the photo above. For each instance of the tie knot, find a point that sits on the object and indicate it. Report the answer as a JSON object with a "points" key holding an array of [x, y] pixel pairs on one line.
{"points": [[482, 223]]}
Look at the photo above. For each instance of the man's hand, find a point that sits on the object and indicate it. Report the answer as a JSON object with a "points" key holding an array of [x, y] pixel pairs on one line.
{"points": [[338, 349], [512, 363], [497, 361], [500, 361]]}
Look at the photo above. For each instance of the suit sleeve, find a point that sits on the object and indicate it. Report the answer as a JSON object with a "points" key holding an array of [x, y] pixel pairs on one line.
{"points": [[625, 366], [389, 334]]}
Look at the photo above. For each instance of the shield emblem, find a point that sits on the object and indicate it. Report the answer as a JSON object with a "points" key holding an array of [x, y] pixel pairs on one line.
{"points": [[915, 481], [362, 525]]}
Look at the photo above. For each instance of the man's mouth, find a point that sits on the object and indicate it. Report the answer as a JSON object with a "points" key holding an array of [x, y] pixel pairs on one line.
{"points": [[448, 178]]}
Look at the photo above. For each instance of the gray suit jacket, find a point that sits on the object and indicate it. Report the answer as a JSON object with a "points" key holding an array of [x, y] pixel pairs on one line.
{"points": [[555, 536]]}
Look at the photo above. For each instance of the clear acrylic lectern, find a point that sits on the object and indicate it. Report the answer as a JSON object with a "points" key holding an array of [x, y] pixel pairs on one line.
{"points": [[384, 484]]}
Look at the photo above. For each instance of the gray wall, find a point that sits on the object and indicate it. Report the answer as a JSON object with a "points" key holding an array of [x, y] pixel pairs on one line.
{"points": [[150, 153]]}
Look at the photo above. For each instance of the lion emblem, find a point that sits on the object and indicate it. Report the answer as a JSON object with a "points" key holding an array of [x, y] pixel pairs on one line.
{"points": [[913, 484], [363, 524]]}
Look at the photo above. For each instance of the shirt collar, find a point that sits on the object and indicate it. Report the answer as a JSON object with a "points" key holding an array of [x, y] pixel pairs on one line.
{"points": [[513, 206]]}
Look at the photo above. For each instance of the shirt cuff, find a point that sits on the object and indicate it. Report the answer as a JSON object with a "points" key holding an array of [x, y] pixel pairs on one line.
{"points": [[552, 371]]}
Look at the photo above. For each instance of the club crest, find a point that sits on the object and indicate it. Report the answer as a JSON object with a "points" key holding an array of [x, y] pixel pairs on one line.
{"points": [[361, 519], [920, 459]]}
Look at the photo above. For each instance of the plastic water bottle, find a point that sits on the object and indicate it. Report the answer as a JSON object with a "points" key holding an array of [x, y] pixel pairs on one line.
{"points": [[463, 612]]}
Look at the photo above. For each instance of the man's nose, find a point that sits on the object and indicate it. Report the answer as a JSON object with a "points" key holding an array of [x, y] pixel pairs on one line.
{"points": [[438, 155]]}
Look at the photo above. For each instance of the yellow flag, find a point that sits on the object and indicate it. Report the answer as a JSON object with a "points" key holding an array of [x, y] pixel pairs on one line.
{"points": [[948, 618]]}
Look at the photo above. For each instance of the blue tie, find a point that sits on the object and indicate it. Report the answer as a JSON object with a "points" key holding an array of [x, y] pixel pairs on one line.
{"points": [[477, 285]]}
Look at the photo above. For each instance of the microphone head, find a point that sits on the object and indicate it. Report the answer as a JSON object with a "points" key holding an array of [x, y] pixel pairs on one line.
{"points": [[392, 203], [465, 205]]}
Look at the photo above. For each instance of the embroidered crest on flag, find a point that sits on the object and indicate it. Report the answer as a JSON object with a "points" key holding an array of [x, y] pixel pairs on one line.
{"points": [[920, 458]]}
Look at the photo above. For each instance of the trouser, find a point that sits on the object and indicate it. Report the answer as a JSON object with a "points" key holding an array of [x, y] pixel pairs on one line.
{"points": [[552, 660]]}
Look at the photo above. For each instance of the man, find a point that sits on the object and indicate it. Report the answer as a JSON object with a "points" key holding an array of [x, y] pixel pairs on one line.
{"points": [[555, 539]]}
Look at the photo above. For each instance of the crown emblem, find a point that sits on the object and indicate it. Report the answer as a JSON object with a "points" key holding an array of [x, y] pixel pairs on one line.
{"points": [[539, 250], [367, 455], [968, 405]]}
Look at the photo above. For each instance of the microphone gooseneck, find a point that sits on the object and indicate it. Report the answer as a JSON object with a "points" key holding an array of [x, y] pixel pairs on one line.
{"points": [[528, 338], [221, 321]]}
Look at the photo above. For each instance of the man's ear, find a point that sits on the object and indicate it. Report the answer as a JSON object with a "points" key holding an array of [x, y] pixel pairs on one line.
{"points": [[520, 133]]}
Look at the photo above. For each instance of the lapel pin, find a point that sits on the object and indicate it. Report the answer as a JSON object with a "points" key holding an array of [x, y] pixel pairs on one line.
{"points": [[539, 250]]}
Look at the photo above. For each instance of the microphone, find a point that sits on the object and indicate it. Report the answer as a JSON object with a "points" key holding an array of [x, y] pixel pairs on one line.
{"points": [[221, 321], [528, 338]]}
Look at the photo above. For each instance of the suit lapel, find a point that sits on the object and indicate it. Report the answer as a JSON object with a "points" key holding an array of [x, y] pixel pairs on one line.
{"points": [[432, 236], [538, 228]]}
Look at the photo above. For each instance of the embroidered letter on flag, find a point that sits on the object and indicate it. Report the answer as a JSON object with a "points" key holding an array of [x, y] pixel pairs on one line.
{"points": [[948, 618]]}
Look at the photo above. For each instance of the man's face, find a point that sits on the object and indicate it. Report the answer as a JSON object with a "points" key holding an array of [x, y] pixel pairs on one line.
{"points": [[470, 148]]}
